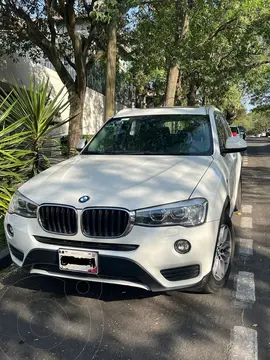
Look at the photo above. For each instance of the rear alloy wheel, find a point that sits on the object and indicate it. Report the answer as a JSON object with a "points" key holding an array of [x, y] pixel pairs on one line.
{"points": [[223, 257]]}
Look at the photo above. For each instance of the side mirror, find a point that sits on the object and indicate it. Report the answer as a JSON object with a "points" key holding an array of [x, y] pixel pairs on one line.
{"points": [[80, 144], [235, 144]]}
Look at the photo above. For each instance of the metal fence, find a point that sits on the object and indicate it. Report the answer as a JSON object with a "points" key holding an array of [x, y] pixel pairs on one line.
{"points": [[124, 89]]}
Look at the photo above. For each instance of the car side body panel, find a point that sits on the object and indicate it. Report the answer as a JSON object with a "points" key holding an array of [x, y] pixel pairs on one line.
{"points": [[221, 180]]}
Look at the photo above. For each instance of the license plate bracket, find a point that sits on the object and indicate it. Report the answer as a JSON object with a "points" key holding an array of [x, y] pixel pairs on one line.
{"points": [[78, 260]]}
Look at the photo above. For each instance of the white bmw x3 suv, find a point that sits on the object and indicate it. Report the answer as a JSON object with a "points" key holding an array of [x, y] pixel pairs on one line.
{"points": [[147, 203]]}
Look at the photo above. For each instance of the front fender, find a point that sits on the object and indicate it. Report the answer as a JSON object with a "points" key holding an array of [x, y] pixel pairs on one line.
{"points": [[213, 187]]}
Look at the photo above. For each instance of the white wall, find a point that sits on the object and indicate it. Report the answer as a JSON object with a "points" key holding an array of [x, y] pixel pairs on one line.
{"points": [[22, 70]]}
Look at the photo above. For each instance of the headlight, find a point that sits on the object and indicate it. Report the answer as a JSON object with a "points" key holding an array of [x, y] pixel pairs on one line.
{"points": [[185, 213], [20, 205]]}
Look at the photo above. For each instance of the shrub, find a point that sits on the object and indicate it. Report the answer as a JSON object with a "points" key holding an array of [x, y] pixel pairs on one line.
{"points": [[27, 120], [40, 111]]}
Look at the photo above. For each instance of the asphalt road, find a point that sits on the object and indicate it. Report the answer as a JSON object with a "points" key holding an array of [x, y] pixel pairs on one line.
{"points": [[44, 318]]}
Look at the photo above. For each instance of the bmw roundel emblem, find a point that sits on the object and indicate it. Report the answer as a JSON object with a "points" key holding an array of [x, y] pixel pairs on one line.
{"points": [[84, 198]]}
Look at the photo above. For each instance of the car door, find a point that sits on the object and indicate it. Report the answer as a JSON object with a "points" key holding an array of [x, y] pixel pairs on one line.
{"points": [[237, 159], [228, 161]]}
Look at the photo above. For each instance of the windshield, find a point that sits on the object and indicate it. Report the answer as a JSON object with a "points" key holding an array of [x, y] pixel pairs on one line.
{"points": [[154, 135]]}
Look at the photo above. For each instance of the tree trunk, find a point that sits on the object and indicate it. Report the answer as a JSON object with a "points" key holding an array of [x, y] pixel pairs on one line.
{"points": [[180, 35], [178, 97], [191, 96], [75, 125], [204, 100], [172, 79], [111, 71]]}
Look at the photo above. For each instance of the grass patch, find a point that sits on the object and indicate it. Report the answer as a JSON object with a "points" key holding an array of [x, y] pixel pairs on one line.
{"points": [[2, 233]]}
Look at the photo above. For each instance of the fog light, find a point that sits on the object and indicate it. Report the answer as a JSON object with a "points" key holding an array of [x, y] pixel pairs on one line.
{"points": [[182, 246], [10, 230]]}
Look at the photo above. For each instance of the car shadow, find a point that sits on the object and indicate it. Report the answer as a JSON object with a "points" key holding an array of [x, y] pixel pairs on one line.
{"points": [[94, 290], [101, 291]]}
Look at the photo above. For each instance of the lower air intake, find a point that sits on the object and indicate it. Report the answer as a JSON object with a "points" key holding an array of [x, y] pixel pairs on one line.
{"points": [[181, 273]]}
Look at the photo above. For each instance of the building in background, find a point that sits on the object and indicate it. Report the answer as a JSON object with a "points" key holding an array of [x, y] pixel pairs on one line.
{"points": [[20, 70]]}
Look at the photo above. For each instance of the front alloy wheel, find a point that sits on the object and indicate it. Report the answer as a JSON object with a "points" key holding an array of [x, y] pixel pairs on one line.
{"points": [[223, 253], [223, 257]]}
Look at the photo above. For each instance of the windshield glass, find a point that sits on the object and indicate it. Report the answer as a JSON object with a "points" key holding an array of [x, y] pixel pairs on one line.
{"points": [[154, 135]]}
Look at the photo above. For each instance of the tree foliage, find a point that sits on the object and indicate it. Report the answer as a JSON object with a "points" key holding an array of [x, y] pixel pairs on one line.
{"points": [[226, 41], [255, 122], [65, 32], [180, 52]]}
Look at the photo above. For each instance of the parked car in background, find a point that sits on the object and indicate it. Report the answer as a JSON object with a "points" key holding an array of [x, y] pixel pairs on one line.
{"points": [[238, 130], [263, 134], [147, 203], [235, 130], [268, 132], [242, 132]]}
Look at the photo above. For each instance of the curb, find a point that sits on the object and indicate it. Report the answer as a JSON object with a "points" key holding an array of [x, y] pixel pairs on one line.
{"points": [[5, 259]]}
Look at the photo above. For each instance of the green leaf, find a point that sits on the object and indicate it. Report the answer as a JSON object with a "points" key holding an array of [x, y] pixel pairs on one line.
{"points": [[39, 115]]}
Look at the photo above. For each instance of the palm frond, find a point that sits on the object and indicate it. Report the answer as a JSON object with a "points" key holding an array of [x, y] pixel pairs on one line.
{"points": [[40, 112], [5, 196]]}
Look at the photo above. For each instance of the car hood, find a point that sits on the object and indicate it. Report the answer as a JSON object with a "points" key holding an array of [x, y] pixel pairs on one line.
{"points": [[126, 181]]}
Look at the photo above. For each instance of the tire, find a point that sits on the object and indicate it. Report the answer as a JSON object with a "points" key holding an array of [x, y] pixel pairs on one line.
{"points": [[238, 204], [213, 283]]}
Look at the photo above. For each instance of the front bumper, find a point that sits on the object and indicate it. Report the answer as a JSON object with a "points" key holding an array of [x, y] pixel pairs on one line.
{"points": [[144, 258]]}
